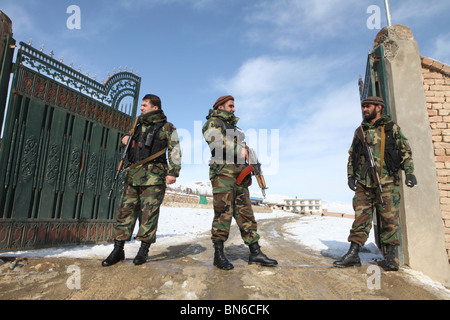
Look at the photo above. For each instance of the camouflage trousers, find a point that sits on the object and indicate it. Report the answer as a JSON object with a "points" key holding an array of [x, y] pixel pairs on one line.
{"points": [[232, 201], [143, 201], [364, 203]]}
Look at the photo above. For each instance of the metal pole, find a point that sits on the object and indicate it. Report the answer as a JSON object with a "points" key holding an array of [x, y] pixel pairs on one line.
{"points": [[388, 13]]}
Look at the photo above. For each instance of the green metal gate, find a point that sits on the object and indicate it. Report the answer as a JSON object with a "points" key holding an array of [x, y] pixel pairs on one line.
{"points": [[376, 84], [375, 81], [60, 147]]}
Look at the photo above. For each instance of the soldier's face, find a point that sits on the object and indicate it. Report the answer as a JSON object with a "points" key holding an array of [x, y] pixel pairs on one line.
{"points": [[228, 106], [371, 112], [146, 106]]}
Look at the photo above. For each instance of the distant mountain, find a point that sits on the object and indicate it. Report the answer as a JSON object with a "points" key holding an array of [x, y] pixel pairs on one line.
{"points": [[200, 187]]}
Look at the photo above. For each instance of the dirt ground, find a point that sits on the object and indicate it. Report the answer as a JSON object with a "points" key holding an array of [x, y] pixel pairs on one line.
{"points": [[185, 272]]}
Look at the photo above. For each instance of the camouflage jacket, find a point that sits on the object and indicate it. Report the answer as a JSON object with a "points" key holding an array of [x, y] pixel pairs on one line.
{"points": [[155, 173], [396, 157], [225, 141]]}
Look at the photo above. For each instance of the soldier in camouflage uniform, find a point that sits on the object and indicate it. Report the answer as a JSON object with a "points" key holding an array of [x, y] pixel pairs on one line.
{"points": [[396, 156], [145, 181], [231, 200]]}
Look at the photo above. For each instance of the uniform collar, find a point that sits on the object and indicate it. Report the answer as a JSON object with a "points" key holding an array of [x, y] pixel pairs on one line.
{"points": [[223, 115]]}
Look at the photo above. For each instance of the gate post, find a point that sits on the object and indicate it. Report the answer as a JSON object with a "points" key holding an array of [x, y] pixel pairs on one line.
{"points": [[5, 31], [6, 56], [420, 214]]}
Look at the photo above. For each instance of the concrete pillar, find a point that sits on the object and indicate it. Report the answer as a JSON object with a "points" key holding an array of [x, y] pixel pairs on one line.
{"points": [[5, 64], [5, 29], [421, 218]]}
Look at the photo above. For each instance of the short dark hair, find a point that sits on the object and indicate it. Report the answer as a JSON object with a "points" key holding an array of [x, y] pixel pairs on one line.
{"points": [[155, 100]]}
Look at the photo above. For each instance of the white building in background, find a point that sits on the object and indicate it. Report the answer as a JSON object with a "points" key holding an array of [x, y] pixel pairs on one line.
{"points": [[304, 206]]}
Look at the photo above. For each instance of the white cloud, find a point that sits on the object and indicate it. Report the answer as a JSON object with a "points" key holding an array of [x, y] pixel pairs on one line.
{"points": [[316, 115], [441, 49], [198, 4], [314, 148], [267, 85], [22, 21], [411, 11], [290, 24], [335, 115]]}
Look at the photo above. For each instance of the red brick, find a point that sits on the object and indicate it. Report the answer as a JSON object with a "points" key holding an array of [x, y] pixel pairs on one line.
{"points": [[427, 61]]}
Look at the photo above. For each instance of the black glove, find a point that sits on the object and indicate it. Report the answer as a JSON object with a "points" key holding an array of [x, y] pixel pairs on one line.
{"points": [[411, 180], [352, 183]]}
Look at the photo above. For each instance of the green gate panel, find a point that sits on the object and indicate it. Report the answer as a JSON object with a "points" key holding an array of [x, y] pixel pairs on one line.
{"points": [[73, 166], [52, 160], [60, 149], [29, 152]]}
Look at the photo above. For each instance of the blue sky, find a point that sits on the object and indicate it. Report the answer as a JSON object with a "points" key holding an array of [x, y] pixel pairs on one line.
{"points": [[292, 65]]}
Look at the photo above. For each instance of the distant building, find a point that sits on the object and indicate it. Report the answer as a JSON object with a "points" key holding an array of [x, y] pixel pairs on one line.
{"points": [[304, 206], [256, 201], [274, 205]]}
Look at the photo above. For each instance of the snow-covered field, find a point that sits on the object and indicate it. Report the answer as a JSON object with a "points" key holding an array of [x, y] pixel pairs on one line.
{"points": [[327, 235]]}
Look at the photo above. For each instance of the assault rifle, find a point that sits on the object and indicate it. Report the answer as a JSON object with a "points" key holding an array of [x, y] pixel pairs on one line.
{"points": [[373, 167], [122, 158], [254, 167]]}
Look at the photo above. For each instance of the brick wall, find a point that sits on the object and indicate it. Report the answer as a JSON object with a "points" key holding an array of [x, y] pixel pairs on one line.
{"points": [[436, 80]]}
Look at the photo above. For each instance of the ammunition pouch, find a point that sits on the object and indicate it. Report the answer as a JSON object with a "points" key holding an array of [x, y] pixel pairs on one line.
{"points": [[147, 143]]}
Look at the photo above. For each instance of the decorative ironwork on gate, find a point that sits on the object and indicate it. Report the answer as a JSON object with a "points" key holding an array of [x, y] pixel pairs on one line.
{"points": [[60, 147]]}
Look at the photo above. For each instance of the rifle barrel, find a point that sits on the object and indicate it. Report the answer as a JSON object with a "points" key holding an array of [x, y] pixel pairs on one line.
{"points": [[122, 158], [375, 175]]}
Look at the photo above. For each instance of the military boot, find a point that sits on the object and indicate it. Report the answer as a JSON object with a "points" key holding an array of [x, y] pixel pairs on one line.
{"points": [[389, 257], [220, 261], [257, 257], [118, 254], [142, 254], [351, 258]]}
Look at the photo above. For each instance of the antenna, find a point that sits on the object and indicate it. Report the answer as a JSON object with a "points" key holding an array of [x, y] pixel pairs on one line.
{"points": [[388, 13]]}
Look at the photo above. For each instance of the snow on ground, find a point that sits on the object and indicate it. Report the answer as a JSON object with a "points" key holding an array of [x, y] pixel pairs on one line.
{"points": [[327, 235], [175, 225]]}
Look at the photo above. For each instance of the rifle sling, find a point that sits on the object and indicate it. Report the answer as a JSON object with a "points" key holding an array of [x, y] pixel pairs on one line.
{"points": [[383, 142], [148, 159]]}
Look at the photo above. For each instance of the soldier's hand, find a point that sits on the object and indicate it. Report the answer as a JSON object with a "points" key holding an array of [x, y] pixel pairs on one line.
{"points": [[125, 140], [243, 154], [170, 179], [411, 180], [352, 183]]}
